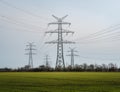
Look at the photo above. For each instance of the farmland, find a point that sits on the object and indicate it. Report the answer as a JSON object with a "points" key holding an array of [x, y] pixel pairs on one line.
{"points": [[59, 82]]}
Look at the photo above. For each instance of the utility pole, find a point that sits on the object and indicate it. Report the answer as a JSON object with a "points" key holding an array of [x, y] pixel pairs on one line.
{"points": [[60, 63], [30, 53], [47, 61], [72, 54]]}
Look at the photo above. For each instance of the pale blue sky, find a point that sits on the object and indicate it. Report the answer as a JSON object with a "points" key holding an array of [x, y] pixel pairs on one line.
{"points": [[18, 17]]}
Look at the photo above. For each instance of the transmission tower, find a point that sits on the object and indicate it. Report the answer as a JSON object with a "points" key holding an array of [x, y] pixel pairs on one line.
{"points": [[30, 53], [60, 64], [72, 54], [47, 61]]}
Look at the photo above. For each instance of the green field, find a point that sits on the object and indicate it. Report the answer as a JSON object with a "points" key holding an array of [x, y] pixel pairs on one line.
{"points": [[59, 82]]}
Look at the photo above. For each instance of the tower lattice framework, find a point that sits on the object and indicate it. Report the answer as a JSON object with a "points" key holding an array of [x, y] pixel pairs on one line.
{"points": [[60, 63]]}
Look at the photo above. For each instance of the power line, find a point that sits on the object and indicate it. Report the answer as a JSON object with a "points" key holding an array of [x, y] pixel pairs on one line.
{"points": [[95, 34], [100, 34], [22, 10], [17, 29], [19, 22], [109, 29], [105, 38]]}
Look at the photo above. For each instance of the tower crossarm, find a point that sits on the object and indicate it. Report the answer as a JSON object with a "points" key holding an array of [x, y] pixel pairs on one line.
{"points": [[51, 42], [68, 42], [66, 23], [76, 55], [67, 31], [30, 53], [31, 45], [52, 31], [68, 55], [63, 23], [30, 49], [60, 18], [56, 31], [55, 42]]}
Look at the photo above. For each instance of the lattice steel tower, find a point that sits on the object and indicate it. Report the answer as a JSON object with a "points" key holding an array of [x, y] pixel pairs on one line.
{"points": [[72, 55], [30, 53], [47, 61], [60, 57]]}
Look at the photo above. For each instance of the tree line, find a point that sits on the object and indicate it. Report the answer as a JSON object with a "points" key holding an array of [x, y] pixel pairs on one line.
{"points": [[77, 68]]}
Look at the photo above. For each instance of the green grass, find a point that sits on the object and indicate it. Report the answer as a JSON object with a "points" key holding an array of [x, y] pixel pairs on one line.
{"points": [[59, 82]]}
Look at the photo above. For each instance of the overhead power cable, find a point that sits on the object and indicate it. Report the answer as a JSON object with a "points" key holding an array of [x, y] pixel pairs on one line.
{"points": [[26, 29], [107, 30], [101, 35], [22, 24], [23, 10]]}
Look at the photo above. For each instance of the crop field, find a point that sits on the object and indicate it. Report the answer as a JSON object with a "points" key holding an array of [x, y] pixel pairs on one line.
{"points": [[59, 82]]}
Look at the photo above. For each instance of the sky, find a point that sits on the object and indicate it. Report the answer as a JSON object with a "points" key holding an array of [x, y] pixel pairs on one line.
{"points": [[95, 23]]}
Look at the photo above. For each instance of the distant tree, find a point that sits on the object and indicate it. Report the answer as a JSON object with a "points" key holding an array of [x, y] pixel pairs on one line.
{"points": [[69, 68], [112, 67], [104, 68], [98, 68], [5, 69], [85, 66], [27, 67], [91, 67]]}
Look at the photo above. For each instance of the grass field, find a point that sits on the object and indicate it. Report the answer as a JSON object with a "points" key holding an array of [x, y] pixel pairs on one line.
{"points": [[59, 82]]}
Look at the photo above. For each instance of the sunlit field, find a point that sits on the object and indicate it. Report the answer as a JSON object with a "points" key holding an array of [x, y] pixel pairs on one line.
{"points": [[59, 82]]}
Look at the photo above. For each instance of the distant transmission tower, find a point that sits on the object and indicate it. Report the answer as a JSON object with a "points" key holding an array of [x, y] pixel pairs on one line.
{"points": [[30, 53], [72, 54], [60, 57], [47, 61]]}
